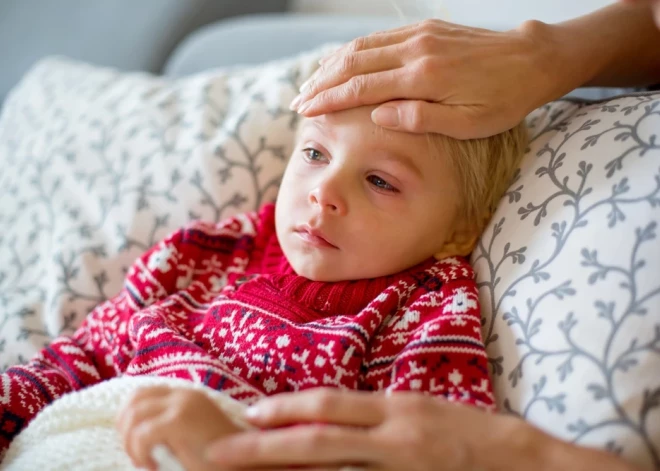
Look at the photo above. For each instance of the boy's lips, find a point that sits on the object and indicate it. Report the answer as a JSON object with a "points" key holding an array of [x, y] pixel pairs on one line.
{"points": [[313, 236]]}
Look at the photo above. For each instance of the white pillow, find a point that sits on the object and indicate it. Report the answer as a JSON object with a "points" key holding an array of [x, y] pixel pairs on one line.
{"points": [[97, 165], [569, 276]]}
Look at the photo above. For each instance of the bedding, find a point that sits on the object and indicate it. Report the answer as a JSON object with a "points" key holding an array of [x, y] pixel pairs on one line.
{"points": [[77, 431], [96, 165]]}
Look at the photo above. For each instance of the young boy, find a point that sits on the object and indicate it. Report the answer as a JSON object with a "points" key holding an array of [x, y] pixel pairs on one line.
{"points": [[350, 281]]}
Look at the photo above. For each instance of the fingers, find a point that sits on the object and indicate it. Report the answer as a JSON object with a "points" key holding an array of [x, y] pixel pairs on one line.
{"points": [[417, 116], [322, 468], [389, 37], [374, 40], [127, 414], [141, 440], [140, 410], [330, 406], [340, 69], [362, 90], [308, 445]]}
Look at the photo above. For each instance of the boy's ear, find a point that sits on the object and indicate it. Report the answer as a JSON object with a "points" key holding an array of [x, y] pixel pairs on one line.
{"points": [[461, 242]]}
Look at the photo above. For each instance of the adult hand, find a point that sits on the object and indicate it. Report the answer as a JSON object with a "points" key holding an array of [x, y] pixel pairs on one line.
{"points": [[456, 80], [467, 82], [655, 6], [404, 431], [183, 420]]}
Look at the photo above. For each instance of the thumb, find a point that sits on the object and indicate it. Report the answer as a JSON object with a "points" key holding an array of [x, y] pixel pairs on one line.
{"points": [[418, 116]]}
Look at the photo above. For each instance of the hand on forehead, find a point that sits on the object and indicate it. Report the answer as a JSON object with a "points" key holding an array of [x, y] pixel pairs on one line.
{"points": [[354, 128]]}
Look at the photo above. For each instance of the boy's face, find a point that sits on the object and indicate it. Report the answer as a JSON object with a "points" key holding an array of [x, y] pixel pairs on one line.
{"points": [[358, 201]]}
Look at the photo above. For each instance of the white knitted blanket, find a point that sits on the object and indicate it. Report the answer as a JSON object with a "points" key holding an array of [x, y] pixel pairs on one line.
{"points": [[77, 431]]}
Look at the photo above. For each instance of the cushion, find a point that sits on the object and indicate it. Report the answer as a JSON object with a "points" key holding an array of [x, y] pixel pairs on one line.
{"points": [[122, 33], [259, 38], [569, 277], [97, 165]]}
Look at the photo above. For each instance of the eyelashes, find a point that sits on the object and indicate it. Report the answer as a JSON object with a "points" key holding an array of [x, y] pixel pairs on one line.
{"points": [[316, 157]]}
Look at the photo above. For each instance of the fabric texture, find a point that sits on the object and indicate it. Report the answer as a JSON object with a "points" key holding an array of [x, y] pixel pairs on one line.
{"points": [[78, 431], [219, 304], [96, 166], [124, 34], [257, 39], [569, 276]]}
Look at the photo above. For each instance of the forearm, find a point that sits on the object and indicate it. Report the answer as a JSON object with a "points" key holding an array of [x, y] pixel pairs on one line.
{"points": [[524, 447], [615, 46], [27, 390]]}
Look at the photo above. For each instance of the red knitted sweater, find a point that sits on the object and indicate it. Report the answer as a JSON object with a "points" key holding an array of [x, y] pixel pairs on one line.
{"points": [[219, 304]]}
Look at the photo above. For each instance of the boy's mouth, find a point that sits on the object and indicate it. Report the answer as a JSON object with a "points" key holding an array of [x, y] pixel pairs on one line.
{"points": [[313, 236]]}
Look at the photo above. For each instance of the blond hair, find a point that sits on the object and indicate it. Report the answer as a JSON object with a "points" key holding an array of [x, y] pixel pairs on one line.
{"points": [[484, 168]]}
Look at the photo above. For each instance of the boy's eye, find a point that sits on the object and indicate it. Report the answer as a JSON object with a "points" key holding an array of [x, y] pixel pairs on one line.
{"points": [[381, 184], [313, 155]]}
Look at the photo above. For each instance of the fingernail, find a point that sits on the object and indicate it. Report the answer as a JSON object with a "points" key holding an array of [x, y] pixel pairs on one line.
{"points": [[304, 86], [386, 116], [296, 101], [304, 107]]}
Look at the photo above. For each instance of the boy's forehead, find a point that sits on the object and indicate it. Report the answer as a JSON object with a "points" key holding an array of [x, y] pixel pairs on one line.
{"points": [[354, 127], [358, 118]]}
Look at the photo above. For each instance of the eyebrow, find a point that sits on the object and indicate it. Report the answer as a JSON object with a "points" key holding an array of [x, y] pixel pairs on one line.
{"points": [[404, 160], [319, 125]]}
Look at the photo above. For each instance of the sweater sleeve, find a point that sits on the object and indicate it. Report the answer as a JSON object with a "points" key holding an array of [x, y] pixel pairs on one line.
{"points": [[437, 348], [100, 348]]}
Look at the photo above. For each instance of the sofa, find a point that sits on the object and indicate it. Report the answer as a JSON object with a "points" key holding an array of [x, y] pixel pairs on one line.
{"points": [[100, 159]]}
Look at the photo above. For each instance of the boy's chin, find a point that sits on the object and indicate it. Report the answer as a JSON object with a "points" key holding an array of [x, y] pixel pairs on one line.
{"points": [[315, 273]]}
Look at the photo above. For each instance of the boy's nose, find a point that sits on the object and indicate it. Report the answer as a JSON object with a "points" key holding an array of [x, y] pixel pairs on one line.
{"points": [[328, 199]]}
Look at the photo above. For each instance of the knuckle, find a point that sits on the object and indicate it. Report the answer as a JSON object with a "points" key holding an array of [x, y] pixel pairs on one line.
{"points": [[145, 393], [324, 402], [416, 122], [414, 404], [356, 86], [426, 66], [185, 399], [425, 43], [136, 398], [347, 64], [128, 419], [357, 44], [177, 413], [135, 414], [140, 435], [411, 439], [315, 437], [428, 24]]}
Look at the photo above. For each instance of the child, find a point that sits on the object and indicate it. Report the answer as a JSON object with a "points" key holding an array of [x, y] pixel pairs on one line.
{"points": [[337, 285]]}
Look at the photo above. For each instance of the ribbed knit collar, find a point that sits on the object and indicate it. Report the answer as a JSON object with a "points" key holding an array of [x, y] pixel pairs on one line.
{"points": [[338, 298]]}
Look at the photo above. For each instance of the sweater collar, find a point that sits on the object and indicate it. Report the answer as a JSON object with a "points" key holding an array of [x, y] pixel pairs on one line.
{"points": [[339, 298]]}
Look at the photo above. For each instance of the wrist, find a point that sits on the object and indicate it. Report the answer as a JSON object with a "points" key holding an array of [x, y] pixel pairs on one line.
{"points": [[560, 62], [614, 46], [525, 447]]}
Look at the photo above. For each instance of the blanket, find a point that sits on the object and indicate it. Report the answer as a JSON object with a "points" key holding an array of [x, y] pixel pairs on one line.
{"points": [[77, 431]]}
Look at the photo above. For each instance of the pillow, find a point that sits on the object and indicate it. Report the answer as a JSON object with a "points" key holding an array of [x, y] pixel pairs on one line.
{"points": [[97, 166], [569, 277]]}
